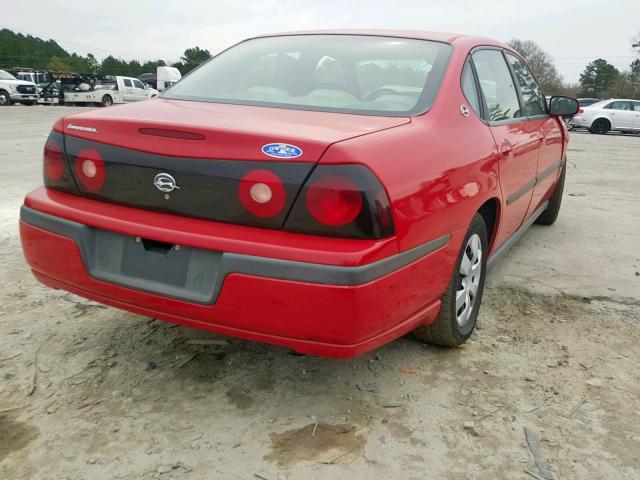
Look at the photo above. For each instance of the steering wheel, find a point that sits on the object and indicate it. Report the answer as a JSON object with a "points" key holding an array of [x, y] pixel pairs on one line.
{"points": [[380, 91]]}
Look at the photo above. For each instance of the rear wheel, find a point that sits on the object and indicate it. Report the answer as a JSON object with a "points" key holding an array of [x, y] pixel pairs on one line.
{"points": [[461, 301], [549, 216], [600, 126], [107, 101], [5, 99]]}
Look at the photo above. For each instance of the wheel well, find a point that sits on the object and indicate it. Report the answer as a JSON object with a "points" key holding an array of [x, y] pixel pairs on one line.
{"points": [[489, 211]]}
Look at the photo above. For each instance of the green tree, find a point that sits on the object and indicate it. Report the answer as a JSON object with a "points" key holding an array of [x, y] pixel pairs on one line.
{"points": [[192, 58], [57, 64], [113, 66], [541, 64], [597, 77], [92, 64]]}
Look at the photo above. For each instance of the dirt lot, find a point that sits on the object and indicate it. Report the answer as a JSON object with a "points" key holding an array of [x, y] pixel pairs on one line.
{"points": [[89, 392]]}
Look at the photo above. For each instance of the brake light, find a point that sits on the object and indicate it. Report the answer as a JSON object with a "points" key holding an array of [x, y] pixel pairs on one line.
{"points": [[54, 164], [334, 201], [90, 169], [53, 160], [262, 193], [581, 110], [342, 201]]}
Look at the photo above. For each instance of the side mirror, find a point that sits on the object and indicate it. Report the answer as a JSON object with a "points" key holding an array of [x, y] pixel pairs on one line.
{"points": [[560, 106]]}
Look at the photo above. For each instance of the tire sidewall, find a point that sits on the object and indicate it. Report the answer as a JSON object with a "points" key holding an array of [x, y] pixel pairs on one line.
{"points": [[601, 131], [8, 98], [107, 101], [477, 226]]}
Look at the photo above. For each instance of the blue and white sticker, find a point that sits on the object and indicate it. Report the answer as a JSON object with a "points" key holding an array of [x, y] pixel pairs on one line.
{"points": [[281, 150]]}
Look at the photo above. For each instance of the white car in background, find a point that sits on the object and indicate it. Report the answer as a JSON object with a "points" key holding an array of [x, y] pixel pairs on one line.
{"points": [[613, 114]]}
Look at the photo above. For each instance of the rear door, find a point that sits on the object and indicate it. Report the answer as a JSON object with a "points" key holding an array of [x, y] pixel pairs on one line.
{"points": [[550, 133], [636, 115], [621, 114], [517, 137]]}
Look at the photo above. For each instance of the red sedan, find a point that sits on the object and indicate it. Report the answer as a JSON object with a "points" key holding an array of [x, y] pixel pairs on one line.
{"points": [[325, 191]]}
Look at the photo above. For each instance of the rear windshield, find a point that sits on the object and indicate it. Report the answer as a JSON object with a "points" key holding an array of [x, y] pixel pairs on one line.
{"points": [[335, 73]]}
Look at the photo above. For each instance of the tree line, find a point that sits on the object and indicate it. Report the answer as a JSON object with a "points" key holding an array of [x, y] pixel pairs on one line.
{"points": [[18, 50], [599, 79]]}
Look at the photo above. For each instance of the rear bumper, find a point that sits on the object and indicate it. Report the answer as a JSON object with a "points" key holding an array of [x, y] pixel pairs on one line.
{"points": [[330, 310], [578, 121]]}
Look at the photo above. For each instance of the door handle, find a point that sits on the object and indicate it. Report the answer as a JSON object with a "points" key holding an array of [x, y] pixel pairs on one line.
{"points": [[506, 148]]}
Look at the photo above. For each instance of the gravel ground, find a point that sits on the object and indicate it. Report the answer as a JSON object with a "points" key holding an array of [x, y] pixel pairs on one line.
{"points": [[548, 387]]}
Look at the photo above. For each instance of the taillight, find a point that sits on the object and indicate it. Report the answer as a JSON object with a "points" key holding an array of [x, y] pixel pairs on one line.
{"points": [[54, 165], [334, 201], [90, 169], [581, 110], [343, 201], [262, 193], [53, 160]]}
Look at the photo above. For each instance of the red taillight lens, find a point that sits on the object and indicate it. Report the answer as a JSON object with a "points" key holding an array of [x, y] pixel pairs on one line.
{"points": [[53, 160], [342, 201], [334, 201], [580, 110], [262, 193], [54, 164], [90, 169]]}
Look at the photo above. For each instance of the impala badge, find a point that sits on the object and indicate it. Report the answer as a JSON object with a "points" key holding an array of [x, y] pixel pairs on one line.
{"points": [[165, 182]]}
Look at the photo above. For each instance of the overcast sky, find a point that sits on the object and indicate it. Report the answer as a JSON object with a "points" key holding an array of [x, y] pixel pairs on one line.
{"points": [[575, 32]]}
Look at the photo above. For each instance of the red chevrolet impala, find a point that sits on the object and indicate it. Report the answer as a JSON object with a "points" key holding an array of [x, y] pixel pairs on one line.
{"points": [[326, 191]]}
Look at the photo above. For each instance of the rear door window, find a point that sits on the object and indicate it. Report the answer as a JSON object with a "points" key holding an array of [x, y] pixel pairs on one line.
{"points": [[497, 85], [533, 99], [469, 88], [636, 106], [127, 82], [618, 105]]}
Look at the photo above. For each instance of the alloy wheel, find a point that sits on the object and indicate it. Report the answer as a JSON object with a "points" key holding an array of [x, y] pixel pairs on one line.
{"points": [[469, 280], [4, 98]]}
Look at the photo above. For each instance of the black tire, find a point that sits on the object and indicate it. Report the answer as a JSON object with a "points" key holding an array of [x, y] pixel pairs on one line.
{"points": [[107, 101], [446, 331], [549, 216], [600, 127], [5, 99], [28, 104]]}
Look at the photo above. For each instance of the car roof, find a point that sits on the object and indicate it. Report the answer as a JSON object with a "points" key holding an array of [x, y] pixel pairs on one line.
{"points": [[417, 34]]}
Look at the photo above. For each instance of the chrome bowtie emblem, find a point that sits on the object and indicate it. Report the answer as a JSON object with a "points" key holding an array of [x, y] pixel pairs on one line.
{"points": [[165, 182], [464, 110]]}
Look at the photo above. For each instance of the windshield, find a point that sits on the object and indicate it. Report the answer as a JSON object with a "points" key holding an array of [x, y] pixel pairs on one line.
{"points": [[6, 76], [335, 73]]}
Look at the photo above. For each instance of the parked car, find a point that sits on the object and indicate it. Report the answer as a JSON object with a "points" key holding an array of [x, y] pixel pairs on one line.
{"points": [[122, 90], [150, 79], [325, 192], [607, 115], [585, 102], [14, 90]]}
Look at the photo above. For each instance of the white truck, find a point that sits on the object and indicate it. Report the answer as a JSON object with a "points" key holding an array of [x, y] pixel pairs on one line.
{"points": [[14, 90], [123, 90], [167, 76]]}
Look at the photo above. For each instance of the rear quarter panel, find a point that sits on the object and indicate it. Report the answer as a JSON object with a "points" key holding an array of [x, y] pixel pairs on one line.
{"points": [[437, 170]]}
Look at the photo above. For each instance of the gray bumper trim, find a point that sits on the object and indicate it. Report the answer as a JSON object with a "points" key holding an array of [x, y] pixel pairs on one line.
{"points": [[249, 264]]}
